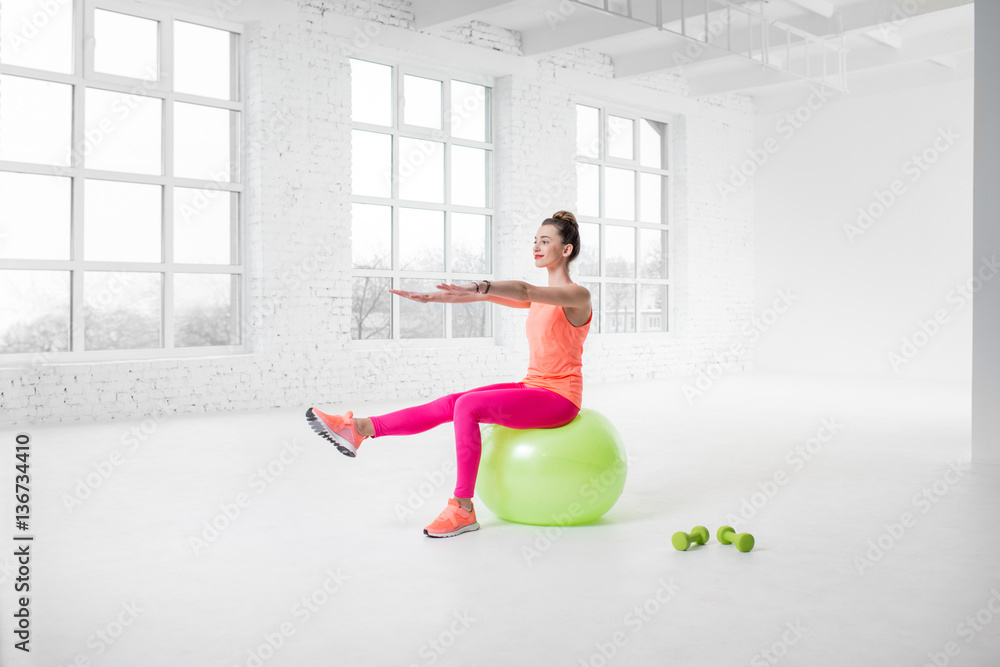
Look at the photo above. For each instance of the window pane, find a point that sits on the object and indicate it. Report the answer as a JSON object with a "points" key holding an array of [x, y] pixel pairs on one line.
{"points": [[205, 306], [470, 243], [35, 312], [204, 222], [470, 174], [371, 93], [36, 121], [421, 170], [588, 262], [588, 189], [202, 142], [123, 132], [619, 308], [121, 310], [202, 60], [652, 245], [470, 111], [125, 45], [653, 316], [470, 320], [421, 101], [371, 308], [34, 216], [595, 305], [620, 140], [38, 34], [371, 163], [421, 240], [620, 258], [651, 198], [619, 193], [588, 142], [652, 141], [121, 221], [420, 320], [371, 236]]}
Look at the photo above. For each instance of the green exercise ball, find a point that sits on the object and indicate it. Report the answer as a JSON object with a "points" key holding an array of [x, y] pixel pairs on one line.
{"points": [[560, 476]]}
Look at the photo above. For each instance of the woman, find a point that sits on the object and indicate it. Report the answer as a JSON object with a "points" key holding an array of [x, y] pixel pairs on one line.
{"points": [[549, 395]]}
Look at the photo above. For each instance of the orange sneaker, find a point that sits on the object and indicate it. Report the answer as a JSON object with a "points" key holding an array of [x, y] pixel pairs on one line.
{"points": [[452, 521], [338, 429]]}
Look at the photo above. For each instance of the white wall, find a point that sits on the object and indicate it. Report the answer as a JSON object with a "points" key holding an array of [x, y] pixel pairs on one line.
{"points": [[986, 353], [856, 299], [298, 223]]}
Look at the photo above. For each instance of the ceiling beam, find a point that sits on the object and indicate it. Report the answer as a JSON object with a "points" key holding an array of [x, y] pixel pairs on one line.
{"points": [[575, 30], [821, 7], [447, 13]]}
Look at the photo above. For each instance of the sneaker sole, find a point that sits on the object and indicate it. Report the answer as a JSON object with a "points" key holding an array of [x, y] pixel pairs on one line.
{"points": [[463, 529], [322, 430]]}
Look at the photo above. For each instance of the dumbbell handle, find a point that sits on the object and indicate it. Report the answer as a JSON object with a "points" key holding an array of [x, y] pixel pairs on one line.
{"points": [[682, 540], [727, 535]]}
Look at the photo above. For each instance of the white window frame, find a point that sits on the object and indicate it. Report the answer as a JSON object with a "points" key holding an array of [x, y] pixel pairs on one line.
{"points": [[606, 108], [83, 77], [400, 129]]}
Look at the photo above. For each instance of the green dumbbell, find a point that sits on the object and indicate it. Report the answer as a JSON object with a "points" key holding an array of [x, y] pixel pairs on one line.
{"points": [[742, 541], [681, 540]]}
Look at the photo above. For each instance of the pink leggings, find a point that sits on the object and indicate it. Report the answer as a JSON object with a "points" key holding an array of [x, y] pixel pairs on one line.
{"points": [[509, 404]]}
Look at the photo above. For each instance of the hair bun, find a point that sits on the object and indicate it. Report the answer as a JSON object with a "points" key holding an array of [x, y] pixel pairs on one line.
{"points": [[564, 215]]}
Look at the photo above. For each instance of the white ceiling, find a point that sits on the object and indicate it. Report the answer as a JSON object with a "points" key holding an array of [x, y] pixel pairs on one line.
{"points": [[887, 41]]}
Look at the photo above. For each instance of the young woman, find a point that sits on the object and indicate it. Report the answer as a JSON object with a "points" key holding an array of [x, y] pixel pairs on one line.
{"points": [[548, 396]]}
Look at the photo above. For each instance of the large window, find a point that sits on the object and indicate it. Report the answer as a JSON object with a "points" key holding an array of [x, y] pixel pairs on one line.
{"points": [[623, 181], [120, 182], [422, 200]]}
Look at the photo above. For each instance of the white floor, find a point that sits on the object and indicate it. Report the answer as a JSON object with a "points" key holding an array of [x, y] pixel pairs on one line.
{"points": [[326, 558]]}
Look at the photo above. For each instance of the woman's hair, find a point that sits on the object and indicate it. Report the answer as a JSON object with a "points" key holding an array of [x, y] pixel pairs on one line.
{"points": [[569, 231]]}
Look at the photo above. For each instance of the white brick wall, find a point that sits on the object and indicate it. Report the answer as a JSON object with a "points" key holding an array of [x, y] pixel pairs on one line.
{"points": [[298, 240]]}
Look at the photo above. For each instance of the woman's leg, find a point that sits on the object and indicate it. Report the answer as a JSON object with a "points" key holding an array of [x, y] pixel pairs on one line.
{"points": [[522, 407], [424, 417]]}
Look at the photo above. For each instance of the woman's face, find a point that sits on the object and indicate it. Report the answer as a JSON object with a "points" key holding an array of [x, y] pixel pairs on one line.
{"points": [[548, 246]]}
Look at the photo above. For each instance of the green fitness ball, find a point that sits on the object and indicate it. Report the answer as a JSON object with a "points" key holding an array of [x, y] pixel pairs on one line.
{"points": [[561, 476]]}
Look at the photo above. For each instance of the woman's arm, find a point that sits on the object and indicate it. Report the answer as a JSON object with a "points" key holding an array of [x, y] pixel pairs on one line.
{"points": [[571, 296], [510, 303]]}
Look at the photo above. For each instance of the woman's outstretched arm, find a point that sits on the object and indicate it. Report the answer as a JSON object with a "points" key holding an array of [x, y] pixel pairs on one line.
{"points": [[572, 296], [510, 303]]}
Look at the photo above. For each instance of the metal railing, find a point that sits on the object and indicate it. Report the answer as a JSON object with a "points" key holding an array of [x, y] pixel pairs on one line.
{"points": [[742, 30]]}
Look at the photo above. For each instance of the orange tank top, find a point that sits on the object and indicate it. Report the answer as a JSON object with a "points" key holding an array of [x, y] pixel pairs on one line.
{"points": [[555, 351]]}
